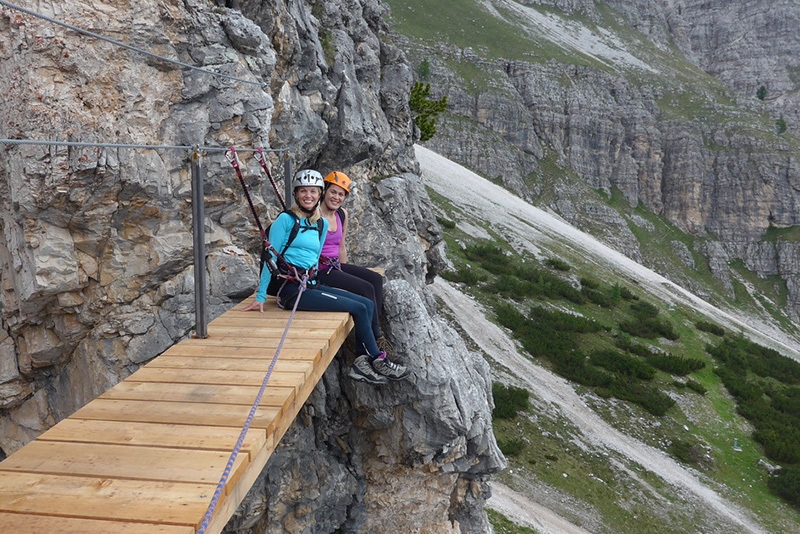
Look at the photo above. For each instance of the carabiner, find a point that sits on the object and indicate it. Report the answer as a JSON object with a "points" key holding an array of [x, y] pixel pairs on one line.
{"points": [[232, 157], [259, 154]]}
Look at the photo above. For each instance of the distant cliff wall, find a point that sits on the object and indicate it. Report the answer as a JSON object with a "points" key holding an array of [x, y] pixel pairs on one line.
{"points": [[643, 126]]}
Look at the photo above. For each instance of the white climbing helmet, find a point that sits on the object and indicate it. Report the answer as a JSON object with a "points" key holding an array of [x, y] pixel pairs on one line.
{"points": [[308, 178]]}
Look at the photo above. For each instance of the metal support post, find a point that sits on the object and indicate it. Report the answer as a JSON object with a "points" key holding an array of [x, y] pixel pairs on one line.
{"points": [[287, 180], [199, 242]]}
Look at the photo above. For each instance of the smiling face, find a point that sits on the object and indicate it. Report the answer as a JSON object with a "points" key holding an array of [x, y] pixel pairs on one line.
{"points": [[307, 197], [334, 197]]}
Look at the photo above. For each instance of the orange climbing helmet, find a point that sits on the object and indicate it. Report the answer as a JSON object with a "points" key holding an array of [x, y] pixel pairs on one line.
{"points": [[340, 179]]}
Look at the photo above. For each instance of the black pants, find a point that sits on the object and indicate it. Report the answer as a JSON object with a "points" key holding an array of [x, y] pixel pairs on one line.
{"points": [[361, 281]]}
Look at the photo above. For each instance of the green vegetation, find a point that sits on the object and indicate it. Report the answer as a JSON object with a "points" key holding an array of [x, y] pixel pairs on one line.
{"points": [[766, 386], [544, 304], [425, 110], [447, 223], [711, 328], [328, 47], [502, 525], [557, 264], [508, 400], [466, 23], [790, 234], [423, 69], [556, 336], [786, 483], [780, 124]]}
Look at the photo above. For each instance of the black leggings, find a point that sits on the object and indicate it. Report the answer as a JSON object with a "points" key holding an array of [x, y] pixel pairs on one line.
{"points": [[361, 281]]}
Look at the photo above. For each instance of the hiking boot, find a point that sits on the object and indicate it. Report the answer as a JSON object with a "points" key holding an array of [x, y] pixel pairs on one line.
{"points": [[391, 370], [363, 371]]}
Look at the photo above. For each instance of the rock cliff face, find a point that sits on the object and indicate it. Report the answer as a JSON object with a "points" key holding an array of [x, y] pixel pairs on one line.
{"points": [[614, 114], [96, 247]]}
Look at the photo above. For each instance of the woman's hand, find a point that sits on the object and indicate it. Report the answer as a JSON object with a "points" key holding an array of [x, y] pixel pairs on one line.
{"points": [[253, 305]]}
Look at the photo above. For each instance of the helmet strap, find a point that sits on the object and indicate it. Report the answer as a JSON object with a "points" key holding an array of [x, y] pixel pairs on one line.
{"points": [[308, 212]]}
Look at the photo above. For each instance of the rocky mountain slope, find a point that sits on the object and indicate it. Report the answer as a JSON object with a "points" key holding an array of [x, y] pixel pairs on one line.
{"points": [[96, 246], [611, 113]]}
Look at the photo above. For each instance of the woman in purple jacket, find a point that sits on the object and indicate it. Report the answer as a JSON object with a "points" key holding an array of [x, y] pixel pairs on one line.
{"points": [[334, 271]]}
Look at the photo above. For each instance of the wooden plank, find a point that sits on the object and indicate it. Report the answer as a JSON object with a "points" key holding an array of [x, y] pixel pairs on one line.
{"points": [[230, 364], [178, 418], [268, 332], [165, 503], [200, 393], [273, 314], [40, 524], [179, 413], [313, 321], [236, 493], [267, 344], [124, 462], [210, 376], [154, 435], [292, 354], [279, 318]]}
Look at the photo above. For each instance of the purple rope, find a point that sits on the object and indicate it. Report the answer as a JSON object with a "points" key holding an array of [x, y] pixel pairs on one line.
{"points": [[212, 506]]}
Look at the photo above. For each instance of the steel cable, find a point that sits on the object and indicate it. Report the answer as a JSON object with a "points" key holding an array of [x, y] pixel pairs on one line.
{"points": [[123, 45]]}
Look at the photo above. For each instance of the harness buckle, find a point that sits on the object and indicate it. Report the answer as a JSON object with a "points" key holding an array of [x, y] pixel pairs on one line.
{"points": [[331, 262]]}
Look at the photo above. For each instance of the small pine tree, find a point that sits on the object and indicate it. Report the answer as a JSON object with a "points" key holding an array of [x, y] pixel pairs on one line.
{"points": [[781, 125], [424, 69], [761, 93], [424, 110]]}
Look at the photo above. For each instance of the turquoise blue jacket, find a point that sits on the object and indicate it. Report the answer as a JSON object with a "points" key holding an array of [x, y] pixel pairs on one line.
{"points": [[303, 252]]}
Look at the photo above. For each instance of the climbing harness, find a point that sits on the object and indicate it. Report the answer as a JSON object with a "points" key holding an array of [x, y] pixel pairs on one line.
{"points": [[231, 156], [232, 459], [267, 247], [329, 263], [259, 155], [295, 274]]}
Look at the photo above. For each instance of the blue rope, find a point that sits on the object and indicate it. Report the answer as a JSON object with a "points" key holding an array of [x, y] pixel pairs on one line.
{"points": [[223, 480]]}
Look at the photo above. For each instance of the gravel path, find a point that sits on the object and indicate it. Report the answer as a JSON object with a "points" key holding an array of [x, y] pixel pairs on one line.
{"points": [[525, 512]]}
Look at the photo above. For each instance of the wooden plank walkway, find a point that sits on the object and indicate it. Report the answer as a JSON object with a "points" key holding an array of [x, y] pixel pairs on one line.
{"points": [[147, 455]]}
